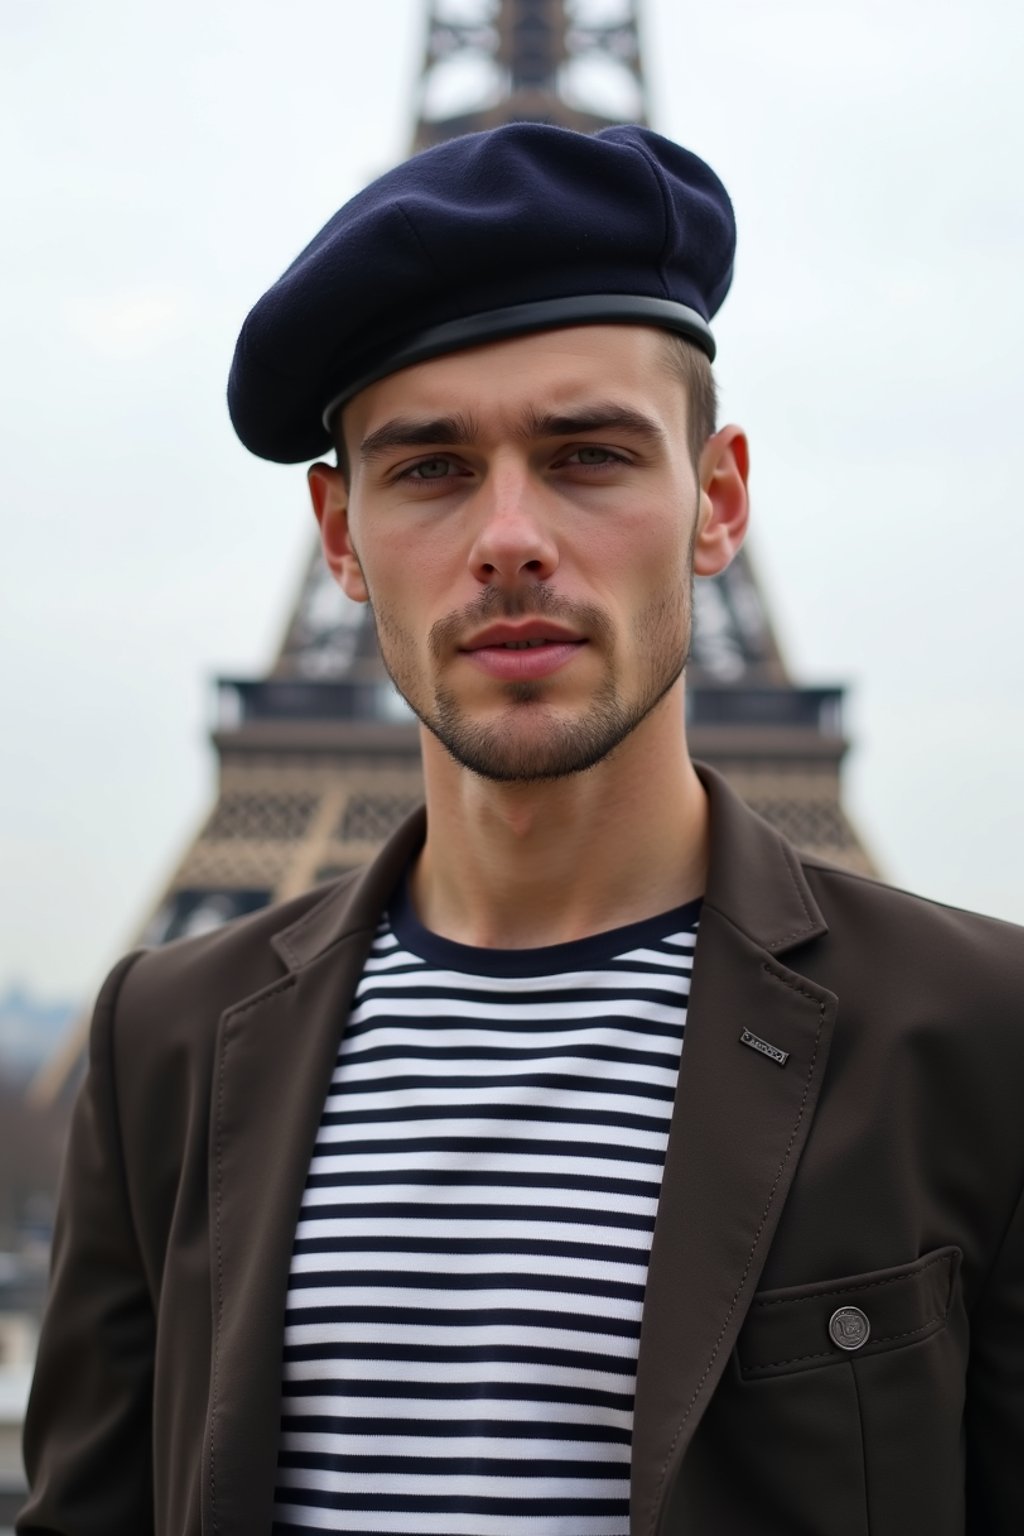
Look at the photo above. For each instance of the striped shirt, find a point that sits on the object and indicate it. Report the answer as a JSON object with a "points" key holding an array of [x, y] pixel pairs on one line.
{"points": [[469, 1264]]}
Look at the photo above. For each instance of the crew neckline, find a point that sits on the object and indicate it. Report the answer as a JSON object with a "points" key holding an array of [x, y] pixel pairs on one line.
{"points": [[543, 960]]}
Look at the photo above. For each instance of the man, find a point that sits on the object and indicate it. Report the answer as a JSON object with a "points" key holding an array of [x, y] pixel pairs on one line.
{"points": [[592, 1163]]}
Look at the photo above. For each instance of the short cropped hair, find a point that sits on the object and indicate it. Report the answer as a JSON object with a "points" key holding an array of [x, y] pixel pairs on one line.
{"points": [[692, 368], [685, 361]]}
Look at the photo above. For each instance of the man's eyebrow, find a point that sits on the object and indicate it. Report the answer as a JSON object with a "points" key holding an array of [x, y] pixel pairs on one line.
{"points": [[449, 431], [410, 432], [601, 416]]}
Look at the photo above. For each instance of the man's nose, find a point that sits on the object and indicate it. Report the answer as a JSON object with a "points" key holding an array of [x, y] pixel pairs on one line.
{"points": [[514, 536]]}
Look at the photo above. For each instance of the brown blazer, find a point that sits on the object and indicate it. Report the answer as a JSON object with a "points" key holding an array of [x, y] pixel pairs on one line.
{"points": [[880, 1167]]}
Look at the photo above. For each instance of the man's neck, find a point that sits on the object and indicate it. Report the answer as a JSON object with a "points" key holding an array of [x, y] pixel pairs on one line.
{"points": [[513, 866]]}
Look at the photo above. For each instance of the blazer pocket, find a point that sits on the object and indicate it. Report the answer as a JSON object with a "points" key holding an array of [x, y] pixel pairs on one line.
{"points": [[811, 1327]]}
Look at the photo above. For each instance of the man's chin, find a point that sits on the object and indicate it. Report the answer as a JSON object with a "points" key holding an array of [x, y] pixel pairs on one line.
{"points": [[523, 752], [524, 769]]}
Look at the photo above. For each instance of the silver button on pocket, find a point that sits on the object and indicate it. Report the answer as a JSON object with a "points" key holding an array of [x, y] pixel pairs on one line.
{"points": [[849, 1328]]}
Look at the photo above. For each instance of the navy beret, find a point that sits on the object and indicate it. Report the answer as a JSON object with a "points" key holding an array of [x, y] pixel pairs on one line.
{"points": [[522, 228]]}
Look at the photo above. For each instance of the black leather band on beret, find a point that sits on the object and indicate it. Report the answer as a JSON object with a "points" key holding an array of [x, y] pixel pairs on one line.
{"points": [[521, 319]]}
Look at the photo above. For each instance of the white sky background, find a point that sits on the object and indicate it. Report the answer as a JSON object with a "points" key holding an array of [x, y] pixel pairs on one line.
{"points": [[163, 164]]}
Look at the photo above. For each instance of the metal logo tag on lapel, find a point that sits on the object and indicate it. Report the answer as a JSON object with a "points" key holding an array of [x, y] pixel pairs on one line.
{"points": [[771, 1051]]}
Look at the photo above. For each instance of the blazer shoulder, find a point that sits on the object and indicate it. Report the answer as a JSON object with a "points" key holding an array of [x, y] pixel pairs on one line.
{"points": [[826, 877], [188, 983], [901, 927], [176, 994]]}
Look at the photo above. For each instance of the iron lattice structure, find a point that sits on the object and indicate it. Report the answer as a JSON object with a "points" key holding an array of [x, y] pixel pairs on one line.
{"points": [[319, 759]]}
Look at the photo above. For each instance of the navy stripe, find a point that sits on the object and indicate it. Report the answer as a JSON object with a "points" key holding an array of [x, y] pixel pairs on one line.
{"points": [[542, 1114], [340, 1387], [451, 1466], [499, 1178], [464, 1354], [517, 1317], [454, 1504], [581, 1049], [452, 1429], [491, 1280], [619, 1152], [548, 1247], [604, 1000], [398, 1210], [557, 1080], [622, 1023]]}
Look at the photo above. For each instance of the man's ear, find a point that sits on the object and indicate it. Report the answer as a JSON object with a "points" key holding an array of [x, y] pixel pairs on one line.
{"points": [[724, 502], [329, 494]]}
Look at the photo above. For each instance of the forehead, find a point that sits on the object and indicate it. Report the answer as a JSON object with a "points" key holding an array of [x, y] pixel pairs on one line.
{"points": [[506, 381]]}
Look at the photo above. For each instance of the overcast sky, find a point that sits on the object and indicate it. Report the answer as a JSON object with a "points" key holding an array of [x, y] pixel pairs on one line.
{"points": [[164, 163]]}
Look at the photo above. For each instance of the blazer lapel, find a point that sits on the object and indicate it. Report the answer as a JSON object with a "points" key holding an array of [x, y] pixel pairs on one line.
{"points": [[275, 1055], [739, 1125]]}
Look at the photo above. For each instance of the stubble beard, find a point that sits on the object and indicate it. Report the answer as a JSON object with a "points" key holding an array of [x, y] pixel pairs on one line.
{"points": [[533, 740]]}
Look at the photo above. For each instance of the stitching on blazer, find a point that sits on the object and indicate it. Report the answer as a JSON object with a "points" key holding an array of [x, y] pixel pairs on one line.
{"points": [[793, 866], [812, 1065], [256, 1001], [793, 987], [864, 1285], [827, 1354]]}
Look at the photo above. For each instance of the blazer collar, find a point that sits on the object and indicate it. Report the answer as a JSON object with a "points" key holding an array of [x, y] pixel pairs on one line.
{"points": [[755, 878], [355, 904]]}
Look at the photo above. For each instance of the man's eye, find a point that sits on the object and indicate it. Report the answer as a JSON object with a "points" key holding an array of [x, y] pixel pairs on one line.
{"points": [[591, 453], [438, 468]]}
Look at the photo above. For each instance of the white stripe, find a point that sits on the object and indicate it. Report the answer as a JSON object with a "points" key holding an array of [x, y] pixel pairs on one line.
{"points": [[382, 1161], [453, 1372], [658, 957], [440, 1301], [484, 1194], [456, 1486], [488, 1127], [568, 1265], [448, 1408], [385, 1523], [464, 1008], [621, 983], [352, 1071], [375, 964], [527, 1448], [464, 1334], [573, 1099], [587, 1032], [342, 1228]]}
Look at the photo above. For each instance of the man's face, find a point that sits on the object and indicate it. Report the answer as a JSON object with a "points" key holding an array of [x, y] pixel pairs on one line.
{"points": [[522, 517]]}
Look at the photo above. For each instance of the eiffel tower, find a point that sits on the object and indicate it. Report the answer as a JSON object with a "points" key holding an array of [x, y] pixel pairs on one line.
{"points": [[319, 759]]}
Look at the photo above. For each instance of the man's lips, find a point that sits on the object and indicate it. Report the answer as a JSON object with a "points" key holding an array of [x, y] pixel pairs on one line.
{"points": [[522, 652], [519, 634]]}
